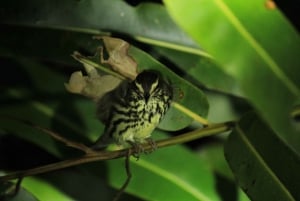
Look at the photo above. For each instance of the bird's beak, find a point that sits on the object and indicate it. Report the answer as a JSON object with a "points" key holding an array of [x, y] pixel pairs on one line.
{"points": [[147, 96]]}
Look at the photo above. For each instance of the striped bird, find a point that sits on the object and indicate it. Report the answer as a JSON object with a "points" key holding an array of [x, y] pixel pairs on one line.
{"points": [[133, 110]]}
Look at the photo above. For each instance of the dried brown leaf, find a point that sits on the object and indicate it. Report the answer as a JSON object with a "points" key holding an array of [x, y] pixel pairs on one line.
{"points": [[118, 57], [93, 85]]}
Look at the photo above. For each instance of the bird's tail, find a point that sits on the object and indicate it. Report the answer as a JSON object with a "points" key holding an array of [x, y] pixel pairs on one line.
{"points": [[102, 142]]}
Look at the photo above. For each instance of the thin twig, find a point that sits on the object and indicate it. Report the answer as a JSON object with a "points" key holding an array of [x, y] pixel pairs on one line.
{"points": [[67, 142], [56, 136], [91, 157], [17, 186], [108, 155], [128, 173]]}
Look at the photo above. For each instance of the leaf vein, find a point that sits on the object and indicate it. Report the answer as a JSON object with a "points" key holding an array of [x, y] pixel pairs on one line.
{"points": [[260, 50], [262, 162], [174, 179]]}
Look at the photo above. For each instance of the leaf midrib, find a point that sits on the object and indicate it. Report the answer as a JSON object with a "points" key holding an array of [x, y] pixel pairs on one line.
{"points": [[262, 162], [259, 49], [173, 179]]}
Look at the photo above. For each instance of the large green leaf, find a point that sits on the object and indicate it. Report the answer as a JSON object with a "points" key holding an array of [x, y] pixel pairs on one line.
{"points": [[213, 154], [44, 43], [254, 44], [264, 166], [202, 69], [43, 190], [147, 21], [172, 173]]}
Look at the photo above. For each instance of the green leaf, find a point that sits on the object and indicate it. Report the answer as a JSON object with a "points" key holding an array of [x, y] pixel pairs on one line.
{"points": [[243, 39], [22, 194], [203, 69], [43, 190], [146, 21], [264, 166], [44, 43], [213, 154], [172, 173]]}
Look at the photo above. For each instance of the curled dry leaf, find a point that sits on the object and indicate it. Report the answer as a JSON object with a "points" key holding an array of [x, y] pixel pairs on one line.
{"points": [[93, 85], [76, 83], [118, 57]]}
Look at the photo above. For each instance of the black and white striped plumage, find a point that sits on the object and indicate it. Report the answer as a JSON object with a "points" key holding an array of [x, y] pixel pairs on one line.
{"points": [[133, 110]]}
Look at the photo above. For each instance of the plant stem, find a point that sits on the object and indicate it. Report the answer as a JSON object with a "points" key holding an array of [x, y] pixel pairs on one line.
{"points": [[212, 129]]}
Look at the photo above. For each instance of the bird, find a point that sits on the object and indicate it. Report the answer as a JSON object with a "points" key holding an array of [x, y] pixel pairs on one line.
{"points": [[133, 110]]}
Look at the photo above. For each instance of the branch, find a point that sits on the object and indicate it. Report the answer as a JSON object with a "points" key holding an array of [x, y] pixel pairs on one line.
{"points": [[108, 155], [67, 142]]}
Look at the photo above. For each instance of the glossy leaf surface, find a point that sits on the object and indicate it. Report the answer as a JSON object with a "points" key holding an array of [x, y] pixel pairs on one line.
{"points": [[93, 16], [158, 177], [264, 166], [254, 44]]}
